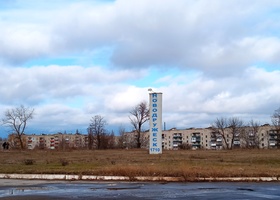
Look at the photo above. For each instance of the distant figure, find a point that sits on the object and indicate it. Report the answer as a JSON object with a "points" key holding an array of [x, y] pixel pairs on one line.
{"points": [[5, 145]]}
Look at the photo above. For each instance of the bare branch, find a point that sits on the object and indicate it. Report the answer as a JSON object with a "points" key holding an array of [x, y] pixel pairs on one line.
{"points": [[139, 115], [17, 119], [97, 132], [219, 127], [275, 118]]}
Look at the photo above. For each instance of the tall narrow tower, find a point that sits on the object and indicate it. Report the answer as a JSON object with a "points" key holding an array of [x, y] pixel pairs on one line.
{"points": [[155, 122]]}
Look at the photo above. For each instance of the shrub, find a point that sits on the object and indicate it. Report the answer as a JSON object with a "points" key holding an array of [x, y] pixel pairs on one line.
{"points": [[29, 161], [64, 162]]}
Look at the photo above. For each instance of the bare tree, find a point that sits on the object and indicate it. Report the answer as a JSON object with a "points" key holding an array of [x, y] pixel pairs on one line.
{"points": [[235, 126], [139, 115], [111, 141], [126, 139], [250, 136], [219, 128], [229, 129], [275, 119], [62, 143], [122, 141], [97, 131], [90, 138], [17, 119]]}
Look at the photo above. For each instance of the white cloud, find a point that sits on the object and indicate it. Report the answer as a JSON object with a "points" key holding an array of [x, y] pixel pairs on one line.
{"points": [[198, 34], [219, 49], [254, 92], [126, 100], [37, 84]]}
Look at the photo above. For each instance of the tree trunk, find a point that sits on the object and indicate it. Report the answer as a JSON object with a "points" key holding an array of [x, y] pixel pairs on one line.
{"points": [[20, 141]]}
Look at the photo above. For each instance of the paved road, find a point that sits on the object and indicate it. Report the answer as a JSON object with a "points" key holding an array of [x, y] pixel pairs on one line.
{"points": [[26, 189]]}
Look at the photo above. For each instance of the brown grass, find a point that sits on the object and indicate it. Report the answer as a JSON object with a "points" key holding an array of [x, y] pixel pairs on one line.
{"points": [[187, 164]]}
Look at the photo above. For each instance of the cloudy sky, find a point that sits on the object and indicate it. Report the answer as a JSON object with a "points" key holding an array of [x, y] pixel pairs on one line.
{"points": [[74, 59]]}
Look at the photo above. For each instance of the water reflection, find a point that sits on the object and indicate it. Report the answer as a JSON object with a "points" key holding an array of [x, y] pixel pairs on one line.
{"points": [[21, 190], [155, 191]]}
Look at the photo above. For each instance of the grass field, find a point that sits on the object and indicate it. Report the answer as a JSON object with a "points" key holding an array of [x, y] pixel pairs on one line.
{"points": [[188, 164]]}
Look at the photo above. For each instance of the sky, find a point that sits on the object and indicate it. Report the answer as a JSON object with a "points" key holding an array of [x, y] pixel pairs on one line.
{"points": [[73, 59]]}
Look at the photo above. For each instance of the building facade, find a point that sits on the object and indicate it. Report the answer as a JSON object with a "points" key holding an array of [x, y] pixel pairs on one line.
{"points": [[266, 137], [50, 141], [206, 138]]}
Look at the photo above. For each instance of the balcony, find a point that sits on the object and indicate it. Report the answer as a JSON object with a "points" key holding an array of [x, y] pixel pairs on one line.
{"points": [[177, 136], [236, 142], [175, 145], [219, 144], [177, 140], [272, 144]]}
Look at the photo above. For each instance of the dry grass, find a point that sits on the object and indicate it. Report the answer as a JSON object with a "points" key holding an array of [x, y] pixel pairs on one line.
{"points": [[188, 164]]}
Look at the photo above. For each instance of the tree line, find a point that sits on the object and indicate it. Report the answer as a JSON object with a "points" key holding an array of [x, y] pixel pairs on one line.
{"points": [[234, 129], [100, 138]]}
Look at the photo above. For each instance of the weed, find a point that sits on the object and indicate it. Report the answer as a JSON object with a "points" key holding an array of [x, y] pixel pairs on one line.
{"points": [[64, 162], [29, 161]]}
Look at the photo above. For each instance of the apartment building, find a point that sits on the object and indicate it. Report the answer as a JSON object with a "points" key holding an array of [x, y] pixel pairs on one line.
{"points": [[265, 137], [51, 141], [207, 138], [274, 138], [195, 138]]}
